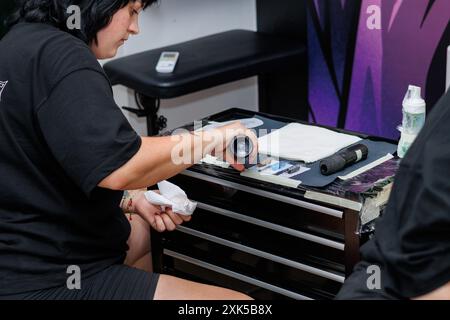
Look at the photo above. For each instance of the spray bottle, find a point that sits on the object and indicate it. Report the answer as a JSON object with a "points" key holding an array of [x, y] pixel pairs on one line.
{"points": [[414, 110]]}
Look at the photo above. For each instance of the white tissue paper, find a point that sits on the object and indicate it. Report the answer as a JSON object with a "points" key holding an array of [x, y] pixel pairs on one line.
{"points": [[171, 196], [305, 143]]}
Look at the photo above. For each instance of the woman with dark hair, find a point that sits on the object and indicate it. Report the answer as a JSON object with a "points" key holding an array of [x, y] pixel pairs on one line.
{"points": [[68, 155]]}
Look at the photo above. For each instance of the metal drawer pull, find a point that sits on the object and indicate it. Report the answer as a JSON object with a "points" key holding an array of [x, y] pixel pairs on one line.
{"points": [[272, 226], [262, 254], [265, 194], [236, 275]]}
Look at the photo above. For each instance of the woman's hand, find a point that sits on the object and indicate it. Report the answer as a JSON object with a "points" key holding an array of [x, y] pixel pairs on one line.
{"points": [[159, 220], [224, 136]]}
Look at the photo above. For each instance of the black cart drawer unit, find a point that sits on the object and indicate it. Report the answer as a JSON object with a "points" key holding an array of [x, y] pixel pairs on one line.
{"points": [[266, 240], [290, 247]]}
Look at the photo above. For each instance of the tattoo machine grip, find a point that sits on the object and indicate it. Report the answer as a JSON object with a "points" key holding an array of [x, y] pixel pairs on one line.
{"points": [[343, 159]]}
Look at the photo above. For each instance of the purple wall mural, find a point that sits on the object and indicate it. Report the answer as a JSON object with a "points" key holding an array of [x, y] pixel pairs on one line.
{"points": [[358, 80]]}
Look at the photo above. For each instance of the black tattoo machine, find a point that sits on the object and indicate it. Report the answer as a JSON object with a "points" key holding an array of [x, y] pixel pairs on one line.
{"points": [[241, 147], [343, 159]]}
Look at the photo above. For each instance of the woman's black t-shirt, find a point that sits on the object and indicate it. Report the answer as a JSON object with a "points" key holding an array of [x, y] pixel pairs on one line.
{"points": [[61, 133]]}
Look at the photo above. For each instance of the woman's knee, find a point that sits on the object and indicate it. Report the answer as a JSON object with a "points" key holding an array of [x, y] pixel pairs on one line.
{"points": [[173, 288], [139, 252]]}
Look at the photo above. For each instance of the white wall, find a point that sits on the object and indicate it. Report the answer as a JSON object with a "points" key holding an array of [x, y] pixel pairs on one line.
{"points": [[174, 21]]}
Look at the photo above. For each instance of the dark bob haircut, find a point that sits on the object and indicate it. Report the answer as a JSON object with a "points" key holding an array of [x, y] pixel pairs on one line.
{"points": [[95, 14]]}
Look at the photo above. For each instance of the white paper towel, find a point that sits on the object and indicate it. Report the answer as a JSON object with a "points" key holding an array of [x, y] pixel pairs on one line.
{"points": [[171, 196], [305, 143]]}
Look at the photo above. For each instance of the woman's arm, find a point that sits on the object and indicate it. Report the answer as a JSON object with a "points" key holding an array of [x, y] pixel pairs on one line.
{"points": [[151, 164], [160, 158]]}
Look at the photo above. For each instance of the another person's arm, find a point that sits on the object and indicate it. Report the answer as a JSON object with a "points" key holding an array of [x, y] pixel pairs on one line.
{"points": [[442, 293]]}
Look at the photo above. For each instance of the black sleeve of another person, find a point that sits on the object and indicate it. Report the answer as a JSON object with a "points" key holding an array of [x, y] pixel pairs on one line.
{"points": [[85, 130], [412, 238]]}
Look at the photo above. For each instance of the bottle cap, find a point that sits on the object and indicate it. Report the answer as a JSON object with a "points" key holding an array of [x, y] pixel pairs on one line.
{"points": [[413, 102]]}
